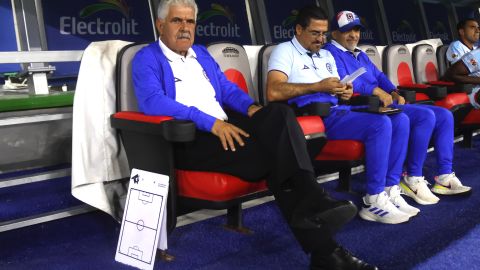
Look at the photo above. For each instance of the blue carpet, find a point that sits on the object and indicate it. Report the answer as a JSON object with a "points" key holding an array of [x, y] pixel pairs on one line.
{"points": [[443, 236], [36, 198]]}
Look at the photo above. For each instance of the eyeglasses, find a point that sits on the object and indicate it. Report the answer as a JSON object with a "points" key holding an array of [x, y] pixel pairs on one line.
{"points": [[317, 34]]}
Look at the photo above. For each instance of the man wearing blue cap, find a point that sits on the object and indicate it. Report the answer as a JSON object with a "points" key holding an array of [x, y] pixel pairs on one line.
{"points": [[425, 121], [301, 72]]}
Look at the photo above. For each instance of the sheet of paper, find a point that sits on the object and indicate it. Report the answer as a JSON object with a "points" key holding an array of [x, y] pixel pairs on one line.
{"points": [[144, 220], [351, 77]]}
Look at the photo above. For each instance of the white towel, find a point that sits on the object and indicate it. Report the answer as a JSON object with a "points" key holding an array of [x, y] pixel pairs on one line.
{"points": [[97, 163]]}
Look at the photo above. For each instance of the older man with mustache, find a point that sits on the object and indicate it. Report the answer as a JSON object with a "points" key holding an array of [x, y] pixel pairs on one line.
{"points": [[176, 78]]}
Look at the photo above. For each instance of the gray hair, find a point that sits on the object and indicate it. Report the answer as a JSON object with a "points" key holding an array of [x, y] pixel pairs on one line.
{"points": [[164, 7]]}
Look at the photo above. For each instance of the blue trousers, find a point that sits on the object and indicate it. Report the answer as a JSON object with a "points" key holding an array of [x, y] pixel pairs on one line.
{"points": [[385, 139], [429, 122]]}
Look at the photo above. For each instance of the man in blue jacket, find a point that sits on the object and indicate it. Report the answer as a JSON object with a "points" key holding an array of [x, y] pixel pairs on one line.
{"points": [[425, 121], [173, 77]]}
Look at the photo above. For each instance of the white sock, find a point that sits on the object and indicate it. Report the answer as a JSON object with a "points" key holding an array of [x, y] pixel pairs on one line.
{"points": [[442, 177], [372, 198]]}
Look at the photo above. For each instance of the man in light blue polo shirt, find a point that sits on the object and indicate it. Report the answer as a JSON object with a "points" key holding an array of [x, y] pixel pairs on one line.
{"points": [[468, 71], [302, 73], [425, 121], [469, 34]]}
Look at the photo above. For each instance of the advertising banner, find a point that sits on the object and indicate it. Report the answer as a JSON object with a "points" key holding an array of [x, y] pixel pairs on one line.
{"points": [[281, 21], [7, 35], [437, 19], [72, 25], [404, 20], [222, 20]]}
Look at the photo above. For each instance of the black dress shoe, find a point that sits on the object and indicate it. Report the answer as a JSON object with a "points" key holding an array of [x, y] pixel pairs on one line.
{"points": [[318, 210], [339, 259]]}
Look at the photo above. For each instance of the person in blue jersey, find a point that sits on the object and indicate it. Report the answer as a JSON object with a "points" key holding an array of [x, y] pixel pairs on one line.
{"points": [[467, 71], [300, 72], [173, 77], [426, 122], [468, 33]]}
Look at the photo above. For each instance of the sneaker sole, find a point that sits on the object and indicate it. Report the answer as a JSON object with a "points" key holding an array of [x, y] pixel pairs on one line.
{"points": [[447, 191], [410, 214], [414, 196], [366, 215], [333, 218]]}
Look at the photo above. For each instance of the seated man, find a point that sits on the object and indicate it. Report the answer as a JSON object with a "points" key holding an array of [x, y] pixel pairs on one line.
{"points": [[425, 121], [468, 33], [301, 72], [176, 78], [467, 71]]}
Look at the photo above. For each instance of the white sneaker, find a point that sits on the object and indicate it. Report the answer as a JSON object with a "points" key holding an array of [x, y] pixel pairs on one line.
{"points": [[379, 208], [449, 184], [416, 188], [396, 198]]}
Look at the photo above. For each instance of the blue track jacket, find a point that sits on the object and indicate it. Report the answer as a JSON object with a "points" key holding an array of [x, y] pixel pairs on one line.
{"points": [[154, 85], [347, 64]]}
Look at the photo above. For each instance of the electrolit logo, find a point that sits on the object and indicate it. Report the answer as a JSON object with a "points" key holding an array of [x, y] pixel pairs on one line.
{"points": [[211, 29], [365, 34], [404, 33], [117, 5], [439, 31], [286, 30], [75, 26]]}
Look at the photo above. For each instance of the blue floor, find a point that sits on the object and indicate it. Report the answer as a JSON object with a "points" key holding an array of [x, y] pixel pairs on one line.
{"points": [[443, 236]]}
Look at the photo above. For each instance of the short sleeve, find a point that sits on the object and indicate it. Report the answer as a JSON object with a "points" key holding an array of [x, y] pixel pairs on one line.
{"points": [[281, 59]]}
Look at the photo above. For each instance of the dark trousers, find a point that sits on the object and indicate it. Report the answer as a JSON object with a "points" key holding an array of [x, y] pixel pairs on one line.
{"points": [[276, 151]]}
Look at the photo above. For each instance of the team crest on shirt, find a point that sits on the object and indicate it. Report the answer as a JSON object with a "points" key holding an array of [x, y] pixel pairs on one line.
{"points": [[329, 68], [454, 55], [473, 62], [305, 67]]}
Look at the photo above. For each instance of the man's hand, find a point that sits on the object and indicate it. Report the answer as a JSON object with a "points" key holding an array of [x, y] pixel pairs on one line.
{"points": [[396, 96], [228, 134], [347, 93], [331, 85], [253, 109], [384, 97]]}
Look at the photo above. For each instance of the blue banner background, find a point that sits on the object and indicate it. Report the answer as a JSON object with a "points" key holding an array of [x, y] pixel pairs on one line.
{"points": [[437, 19], [403, 19], [222, 20], [8, 40], [281, 21], [67, 30]]}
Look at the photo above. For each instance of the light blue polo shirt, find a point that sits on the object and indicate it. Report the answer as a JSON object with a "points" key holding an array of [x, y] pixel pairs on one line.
{"points": [[293, 60], [472, 62], [456, 50]]}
